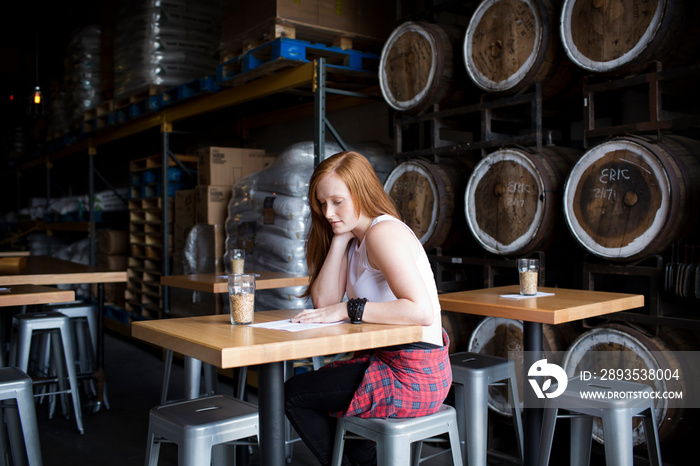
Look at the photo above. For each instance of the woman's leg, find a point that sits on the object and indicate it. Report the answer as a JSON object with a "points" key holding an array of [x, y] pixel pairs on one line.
{"points": [[310, 396]]}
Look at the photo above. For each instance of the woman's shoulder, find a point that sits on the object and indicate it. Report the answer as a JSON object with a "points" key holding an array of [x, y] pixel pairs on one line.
{"points": [[387, 227]]}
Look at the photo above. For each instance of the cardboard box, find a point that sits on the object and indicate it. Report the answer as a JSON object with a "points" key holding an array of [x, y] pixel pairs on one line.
{"points": [[367, 23], [223, 166], [185, 205], [212, 204]]}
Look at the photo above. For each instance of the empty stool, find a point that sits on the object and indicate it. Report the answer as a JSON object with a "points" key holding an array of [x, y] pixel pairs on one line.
{"points": [[26, 325], [395, 436], [17, 386], [83, 317], [472, 374], [198, 425], [616, 413]]}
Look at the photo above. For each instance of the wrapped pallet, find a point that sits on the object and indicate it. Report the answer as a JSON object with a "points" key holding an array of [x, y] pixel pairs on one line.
{"points": [[269, 216], [164, 43]]}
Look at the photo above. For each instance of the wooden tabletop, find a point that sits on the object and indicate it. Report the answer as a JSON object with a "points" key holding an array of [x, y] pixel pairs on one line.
{"points": [[14, 253], [218, 283], [566, 305], [44, 270], [20, 295], [212, 339]]}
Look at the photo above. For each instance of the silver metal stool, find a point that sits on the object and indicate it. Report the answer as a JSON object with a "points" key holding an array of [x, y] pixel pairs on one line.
{"points": [[198, 425], [472, 374], [399, 440], [616, 413], [26, 325], [83, 317], [15, 385]]}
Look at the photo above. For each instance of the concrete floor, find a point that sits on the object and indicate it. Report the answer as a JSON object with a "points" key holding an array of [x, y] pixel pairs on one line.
{"points": [[117, 437]]}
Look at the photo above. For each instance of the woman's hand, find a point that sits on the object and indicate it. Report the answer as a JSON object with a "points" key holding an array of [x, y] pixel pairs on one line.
{"points": [[332, 313]]}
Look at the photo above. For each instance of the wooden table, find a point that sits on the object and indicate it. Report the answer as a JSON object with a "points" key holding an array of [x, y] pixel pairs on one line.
{"points": [[218, 283], [565, 306], [44, 270], [26, 295], [214, 340]]}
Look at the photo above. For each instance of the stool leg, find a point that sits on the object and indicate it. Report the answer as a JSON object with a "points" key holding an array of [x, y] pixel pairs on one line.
{"points": [[476, 427], [152, 447], [72, 377], [56, 350], [14, 428], [210, 374], [517, 415], [416, 451], [391, 450], [338, 443], [194, 452], [651, 433], [453, 433], [547, 436], [617, 431], [166, 376], [30, 427], [581, 438], [461, 417]]}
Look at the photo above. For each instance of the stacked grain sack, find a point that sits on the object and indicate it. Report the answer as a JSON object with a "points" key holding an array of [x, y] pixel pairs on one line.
{"points": [[164, 44], [269, 217]]}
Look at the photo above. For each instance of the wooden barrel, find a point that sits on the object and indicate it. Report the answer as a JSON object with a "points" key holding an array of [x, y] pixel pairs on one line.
{"points": [[495, 336], [511, 44], [459, 327], [619, 346], [622, 36], [426, 194], [631, 197], [513, 198], [420, 66]]}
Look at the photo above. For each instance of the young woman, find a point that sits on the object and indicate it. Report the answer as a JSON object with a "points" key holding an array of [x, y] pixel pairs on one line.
{"points": [[357, 247]]}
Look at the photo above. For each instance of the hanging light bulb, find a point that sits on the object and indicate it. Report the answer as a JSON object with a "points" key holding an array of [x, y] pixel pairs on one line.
{"points": [[37, 95]]}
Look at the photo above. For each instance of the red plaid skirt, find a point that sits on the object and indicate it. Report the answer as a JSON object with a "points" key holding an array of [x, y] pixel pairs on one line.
{"points": [[405, 383]]}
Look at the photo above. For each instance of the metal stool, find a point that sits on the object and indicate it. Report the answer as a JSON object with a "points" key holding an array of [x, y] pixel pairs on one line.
{"points": [[472, 374], [395, 436], [26, 325], [198, 425], [15, 385], [83, 319], [616, 414]]}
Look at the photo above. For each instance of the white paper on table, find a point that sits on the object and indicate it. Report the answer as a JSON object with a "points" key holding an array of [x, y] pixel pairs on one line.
{"points": [[539, 294], [289, 326]]}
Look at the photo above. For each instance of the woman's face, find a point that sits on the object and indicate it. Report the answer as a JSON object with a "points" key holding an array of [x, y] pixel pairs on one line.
{"points": [[336, 203]]}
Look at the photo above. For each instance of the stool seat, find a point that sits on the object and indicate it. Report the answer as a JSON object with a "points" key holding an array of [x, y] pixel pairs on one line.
{"points": [[17, 386], [395, 436], [472, 374], [198, 425], [616, 402]]}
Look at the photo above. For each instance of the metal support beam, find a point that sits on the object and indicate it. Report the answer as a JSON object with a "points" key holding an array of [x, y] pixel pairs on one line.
{"points": [[91, 204], [166, 128]]}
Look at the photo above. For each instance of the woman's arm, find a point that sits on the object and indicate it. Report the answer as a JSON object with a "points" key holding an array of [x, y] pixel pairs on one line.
{"points": [[329, 286], [391, 249]]}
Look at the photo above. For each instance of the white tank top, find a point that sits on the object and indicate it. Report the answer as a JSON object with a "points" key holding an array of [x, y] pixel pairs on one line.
{"points": [[364, 281]]}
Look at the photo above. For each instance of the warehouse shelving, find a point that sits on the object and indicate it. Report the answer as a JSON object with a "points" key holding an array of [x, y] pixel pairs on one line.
{"points": [[307, 83]]}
